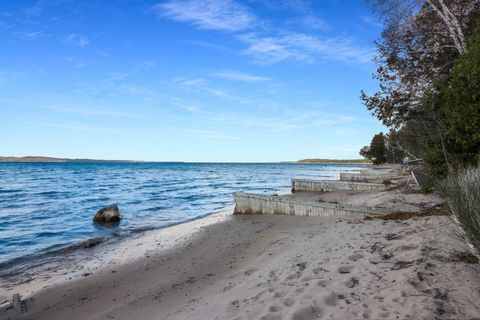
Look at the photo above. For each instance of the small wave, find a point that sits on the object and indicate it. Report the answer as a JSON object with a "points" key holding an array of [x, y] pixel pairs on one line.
{"points": [[18, 264], [10, 190], [157, 208], [52, 193], [47, 234]]}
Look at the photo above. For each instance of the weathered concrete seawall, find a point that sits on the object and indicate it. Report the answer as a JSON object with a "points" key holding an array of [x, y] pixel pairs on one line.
{"points": [[330, 185], [364, 177], [248, 203]]}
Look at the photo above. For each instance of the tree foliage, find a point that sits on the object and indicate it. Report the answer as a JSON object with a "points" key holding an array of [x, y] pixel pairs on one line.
{"points": [[429, 73], [377, 151], [415, 52], [461, 105]]}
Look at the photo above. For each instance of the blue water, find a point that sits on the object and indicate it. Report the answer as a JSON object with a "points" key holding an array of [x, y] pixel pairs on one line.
{"points": [[46, 207]]}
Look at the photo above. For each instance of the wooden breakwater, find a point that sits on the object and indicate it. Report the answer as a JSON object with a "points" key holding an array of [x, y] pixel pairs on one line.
{"points": [[365, 177], [331, 185], [249, 203]]}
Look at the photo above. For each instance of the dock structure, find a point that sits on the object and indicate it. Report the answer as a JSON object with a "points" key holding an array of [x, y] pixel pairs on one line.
{"points": [[248, 203], [365, 177], [331, 185]]}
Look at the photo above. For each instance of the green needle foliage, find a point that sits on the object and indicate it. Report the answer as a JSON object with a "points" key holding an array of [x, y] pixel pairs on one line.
{"points": [[461, 105]]}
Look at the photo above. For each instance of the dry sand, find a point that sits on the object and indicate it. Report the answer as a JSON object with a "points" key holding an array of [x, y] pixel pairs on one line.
{"points": [[268, 267]]}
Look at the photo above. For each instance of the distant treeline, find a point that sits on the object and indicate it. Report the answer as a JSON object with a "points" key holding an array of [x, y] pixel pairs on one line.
{"points": [[51, 159], [334, 161]]}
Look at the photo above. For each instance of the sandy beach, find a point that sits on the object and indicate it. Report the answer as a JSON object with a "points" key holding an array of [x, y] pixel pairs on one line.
{"points": [[228, 266]]}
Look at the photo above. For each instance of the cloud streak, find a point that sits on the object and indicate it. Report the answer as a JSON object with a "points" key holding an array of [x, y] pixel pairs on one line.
{"points": [[77, 40], [269, 45], [239, 76], [201, 84], [301, 120], [28, 35], [372, 21], [226, 15], [88, 112], [304, 47]]}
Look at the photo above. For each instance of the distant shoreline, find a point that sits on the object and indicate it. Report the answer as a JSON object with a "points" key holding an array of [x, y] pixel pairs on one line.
{"points": [[30, 159], [52, 159]]}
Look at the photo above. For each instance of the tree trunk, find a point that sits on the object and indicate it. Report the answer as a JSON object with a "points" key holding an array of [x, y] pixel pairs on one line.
{"points": [[452, 24]]}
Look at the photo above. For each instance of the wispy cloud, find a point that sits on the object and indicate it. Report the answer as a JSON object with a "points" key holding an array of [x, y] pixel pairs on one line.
{"points": [[295, 5], [269, 45], [372, 21], [200, 84], [271, 49], [210, 45], [77, 63], [89, 112], [77, 40], [34, 11], [211, 134], [76, 127], [184, 105], [102, 53], [203, 85], [28, 35], [311, 22], [299, 5], [300, 120], [305, 48], [225, 15], [239, 76]]}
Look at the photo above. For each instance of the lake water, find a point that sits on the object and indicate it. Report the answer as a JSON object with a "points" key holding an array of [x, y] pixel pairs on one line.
{"points": [[47, 207]]}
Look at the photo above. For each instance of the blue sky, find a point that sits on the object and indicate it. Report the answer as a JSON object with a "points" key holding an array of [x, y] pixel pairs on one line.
{"points": [[186, 80]]}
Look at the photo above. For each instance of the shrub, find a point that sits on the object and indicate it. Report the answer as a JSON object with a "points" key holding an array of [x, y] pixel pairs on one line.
{"points": [[462, 192]]}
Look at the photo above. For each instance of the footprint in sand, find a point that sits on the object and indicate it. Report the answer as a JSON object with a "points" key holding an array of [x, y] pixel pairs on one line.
{"points": [[319, 270], [271, 316], [352, 282], [331, 299], [307, 313], [274, 308], [299, 290], [288, 302], [344, 269], [322, 283], [356, 256]]}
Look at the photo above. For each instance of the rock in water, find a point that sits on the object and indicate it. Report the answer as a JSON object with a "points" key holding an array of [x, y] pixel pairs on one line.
{"points": [[107, 214]]}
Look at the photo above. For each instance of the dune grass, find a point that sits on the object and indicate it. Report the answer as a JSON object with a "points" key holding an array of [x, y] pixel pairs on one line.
{"points": [[462, 192]]}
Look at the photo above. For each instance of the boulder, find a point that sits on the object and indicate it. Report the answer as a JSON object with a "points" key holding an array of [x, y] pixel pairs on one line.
{"points": [[107, 214]]}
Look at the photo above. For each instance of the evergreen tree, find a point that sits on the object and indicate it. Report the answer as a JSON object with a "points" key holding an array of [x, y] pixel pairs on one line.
{"points": [[377, 151], [461, 100]]}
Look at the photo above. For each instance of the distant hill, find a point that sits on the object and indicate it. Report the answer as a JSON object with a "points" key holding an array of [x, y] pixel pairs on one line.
{"points": [[51, 159], [363, 161]]}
